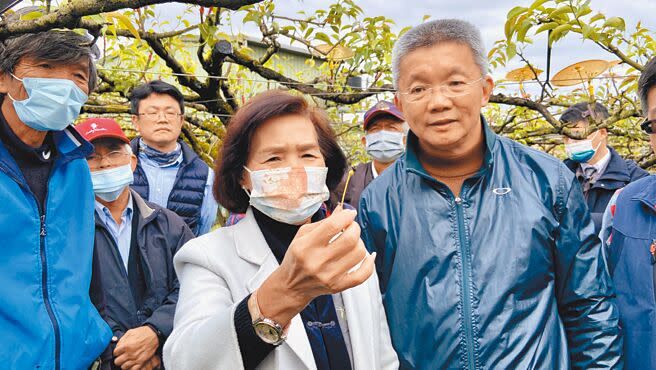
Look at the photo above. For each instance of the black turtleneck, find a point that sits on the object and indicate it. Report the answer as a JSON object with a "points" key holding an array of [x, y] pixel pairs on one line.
{"points": [[34, 163]]}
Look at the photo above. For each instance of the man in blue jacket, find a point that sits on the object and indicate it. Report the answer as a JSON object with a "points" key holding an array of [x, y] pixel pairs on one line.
{"points": [[487, 255], [598, 167], [629, 235], [134, 248], [47, 320]]}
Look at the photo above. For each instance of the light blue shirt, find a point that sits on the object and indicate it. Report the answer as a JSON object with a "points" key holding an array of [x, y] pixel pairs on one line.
{"points": [[122, 233], [160, 183]]}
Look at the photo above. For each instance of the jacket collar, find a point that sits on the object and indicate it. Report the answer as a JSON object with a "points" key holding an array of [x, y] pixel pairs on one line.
{"points": [[648, 193], [412, 163], [145, 212], [69, 143], [252, 247]]}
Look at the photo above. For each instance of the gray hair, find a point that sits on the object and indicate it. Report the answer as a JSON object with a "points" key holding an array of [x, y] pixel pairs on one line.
{"points": [[60, 47], [435, 32]]}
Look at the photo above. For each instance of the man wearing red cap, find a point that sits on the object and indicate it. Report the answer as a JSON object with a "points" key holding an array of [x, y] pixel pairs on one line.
{"points": [[134, 285], [384, 140]]}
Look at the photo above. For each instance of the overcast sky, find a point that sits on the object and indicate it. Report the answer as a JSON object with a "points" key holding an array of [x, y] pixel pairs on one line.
{"points": [[488, 15]]}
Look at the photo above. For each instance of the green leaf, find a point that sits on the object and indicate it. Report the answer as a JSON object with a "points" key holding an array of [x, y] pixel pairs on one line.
{"points": [[586, 30], [31, 15], [615, 22], [425, 18], [558, 13], [125, 22], [516, 11], [511, 51], [522, 29], [597, 17], [583, 11], [547, 26], [322, 37], [536, 4], [560, 31]]}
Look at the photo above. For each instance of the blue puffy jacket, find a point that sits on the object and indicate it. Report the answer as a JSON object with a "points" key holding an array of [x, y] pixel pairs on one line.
{"points": [[509, 275], [630, 231], [47, 320]]}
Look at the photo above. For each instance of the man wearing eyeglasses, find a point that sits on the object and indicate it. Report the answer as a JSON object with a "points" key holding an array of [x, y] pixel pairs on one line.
{"points": [[133, 284], [598, 167], [628, 233], [487, 256], [169, 173]]}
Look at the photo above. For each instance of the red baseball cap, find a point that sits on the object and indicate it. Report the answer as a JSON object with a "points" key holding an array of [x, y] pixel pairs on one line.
{"points": [[96, 128], [381, 108]]}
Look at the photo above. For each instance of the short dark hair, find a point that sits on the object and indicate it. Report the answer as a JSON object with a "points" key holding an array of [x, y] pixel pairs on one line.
{"points": [[143, 91], [236, 145], [59, 47], [581, 111], [645, 83]]}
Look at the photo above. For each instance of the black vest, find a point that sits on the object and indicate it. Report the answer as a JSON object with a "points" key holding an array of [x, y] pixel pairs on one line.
{"points": [[188, 191]]}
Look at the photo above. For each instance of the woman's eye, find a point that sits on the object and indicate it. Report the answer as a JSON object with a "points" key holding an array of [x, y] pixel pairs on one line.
{"points": [[456, 83], [309, 155], [272, 159]]}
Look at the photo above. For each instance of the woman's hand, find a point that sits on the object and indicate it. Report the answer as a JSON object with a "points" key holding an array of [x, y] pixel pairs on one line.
{"points": [[315, 264]]}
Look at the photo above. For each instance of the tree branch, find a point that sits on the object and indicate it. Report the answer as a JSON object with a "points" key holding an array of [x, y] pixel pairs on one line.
{"points": [[342, 98], [527, 103], [69, 15]]}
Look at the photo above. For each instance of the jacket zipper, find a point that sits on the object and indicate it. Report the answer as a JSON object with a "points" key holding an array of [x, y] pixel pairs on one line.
{"points": [[466, 287], [44, 263], [44, 289]]}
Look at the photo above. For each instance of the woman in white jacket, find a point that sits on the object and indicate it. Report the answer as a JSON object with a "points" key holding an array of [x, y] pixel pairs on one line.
{"points": [[290, 286]]}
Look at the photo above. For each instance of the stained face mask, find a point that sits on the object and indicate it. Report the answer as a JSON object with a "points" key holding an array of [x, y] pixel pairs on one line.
{"points": [[581, 151], [288, 195], [109, 184], [385, 146], [52, 104]]}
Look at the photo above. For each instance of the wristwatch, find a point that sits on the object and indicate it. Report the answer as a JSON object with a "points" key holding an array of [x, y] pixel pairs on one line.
{"points": [[266, 329]]}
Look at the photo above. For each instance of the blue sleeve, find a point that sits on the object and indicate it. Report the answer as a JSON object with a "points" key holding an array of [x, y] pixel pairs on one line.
{"points": [[373, 243], [209, 208], [584, 290], [606, 227]]}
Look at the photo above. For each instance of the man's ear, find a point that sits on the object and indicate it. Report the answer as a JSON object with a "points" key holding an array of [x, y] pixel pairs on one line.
{"points": [[364, 141], [133, 162], [5, 81], [135, 123], [488, 87]]}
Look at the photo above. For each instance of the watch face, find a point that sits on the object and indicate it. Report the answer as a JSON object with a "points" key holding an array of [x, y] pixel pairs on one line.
{"points": [[267, 332]]}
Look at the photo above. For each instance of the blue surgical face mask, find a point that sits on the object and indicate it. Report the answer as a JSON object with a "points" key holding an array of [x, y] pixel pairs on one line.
{"points": [[52, 104], [288, 195], [385, 146], [109, 184], [581, 151]]}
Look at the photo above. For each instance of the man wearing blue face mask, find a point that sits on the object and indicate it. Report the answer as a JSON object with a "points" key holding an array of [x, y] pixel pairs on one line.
{"points": [[598, 167], [47, 318], [384, 141], [133, 257]]}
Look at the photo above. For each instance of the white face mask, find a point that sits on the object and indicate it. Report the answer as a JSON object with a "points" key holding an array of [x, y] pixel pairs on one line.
{"points": [[289, 195], [582, 150], [109, 184]]}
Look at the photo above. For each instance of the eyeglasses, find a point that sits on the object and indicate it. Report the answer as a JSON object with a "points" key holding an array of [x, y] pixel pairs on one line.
{"points": [[649, 126], [450, 89], [113, 157], [155, 115]]}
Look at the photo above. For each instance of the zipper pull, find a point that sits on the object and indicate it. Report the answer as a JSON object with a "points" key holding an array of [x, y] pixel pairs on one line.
{"points": [[458, 200], [43, 225]]}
